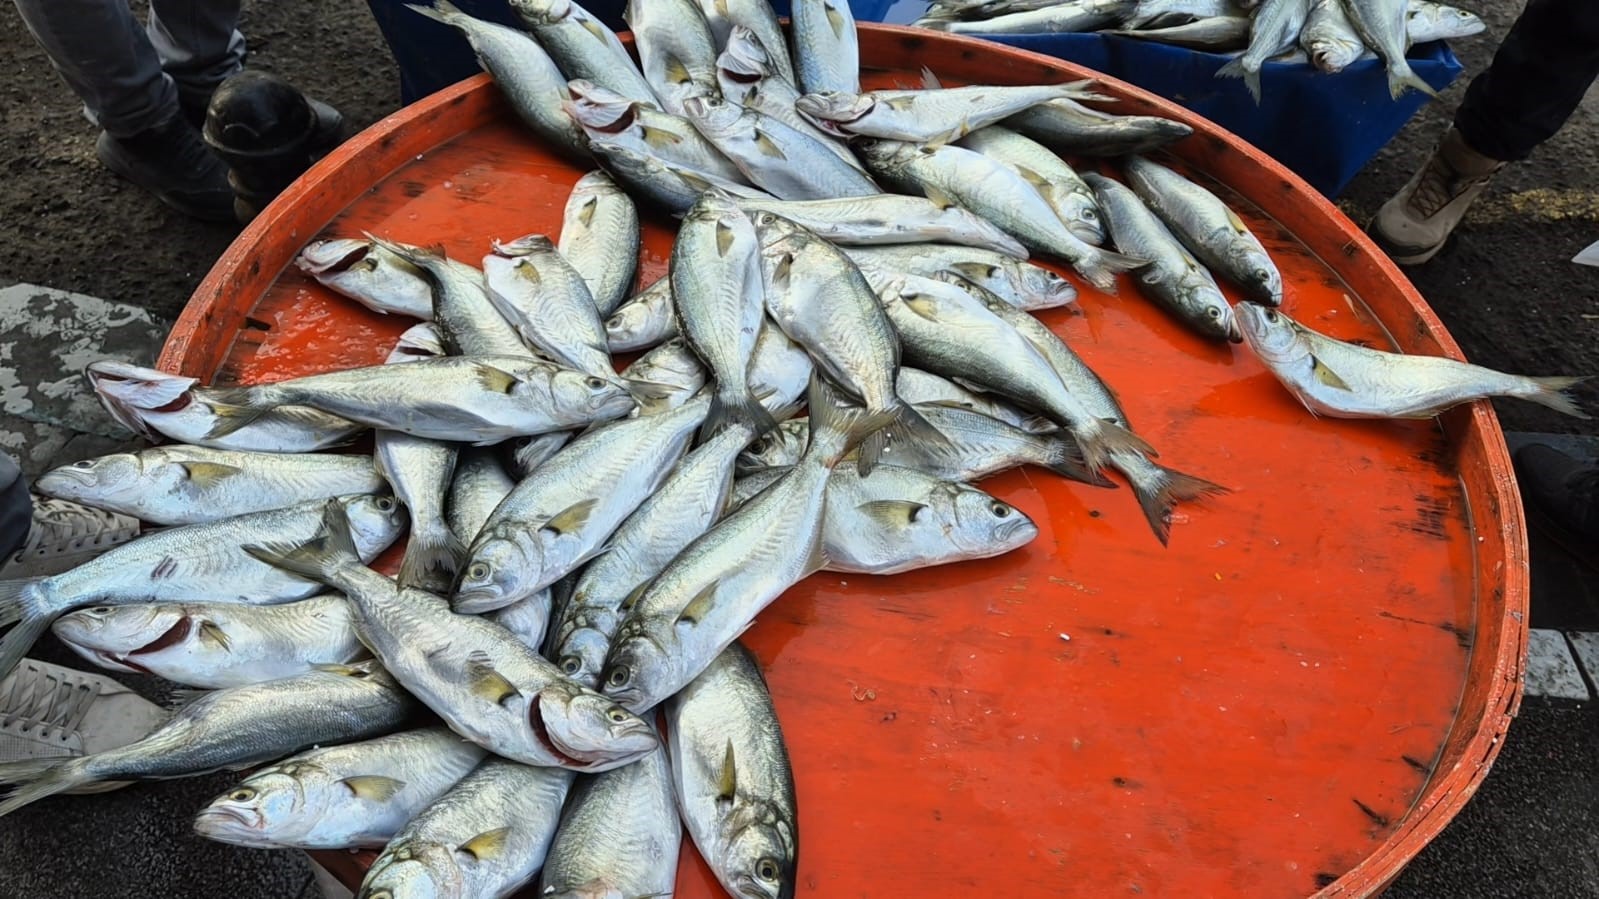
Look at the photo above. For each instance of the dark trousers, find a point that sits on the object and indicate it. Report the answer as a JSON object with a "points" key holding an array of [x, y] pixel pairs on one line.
{"points": [[16, 508], [1537, 78]]}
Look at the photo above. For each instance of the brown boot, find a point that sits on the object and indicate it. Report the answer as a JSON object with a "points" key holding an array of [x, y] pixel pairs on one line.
{"points": [[1413, 226]]}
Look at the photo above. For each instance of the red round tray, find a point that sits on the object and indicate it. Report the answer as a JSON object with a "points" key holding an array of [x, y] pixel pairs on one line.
{"points": [[1293, 698]]}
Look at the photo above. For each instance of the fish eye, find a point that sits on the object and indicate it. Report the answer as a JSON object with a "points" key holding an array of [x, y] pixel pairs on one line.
{"points": [[1090, 215], [83, 463], [100, 610], [478, 571], [760, 446], [1262, 275], [385, 504], [1213, 312], [1271, 316], [766, 869], [595, 383], [1000, 510], [618, 677], [617, 714], [242, 794], [614, 322], [571, 664]]}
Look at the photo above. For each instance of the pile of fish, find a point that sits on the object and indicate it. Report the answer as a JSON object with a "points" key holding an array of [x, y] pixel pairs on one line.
{"points": [[1329, 34], [584, 546]]}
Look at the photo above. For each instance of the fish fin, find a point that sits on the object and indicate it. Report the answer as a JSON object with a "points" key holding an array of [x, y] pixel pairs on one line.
{"points": [[595, 28], [727, 780], [319, 557], [921, 304], [676, 71], [571, 518], [943, 200], [1065, 458], [1097, 445], [836, 428], [1321, 372], [206, 475], [432, 557], [20, 639], [724, 239], [1166, 487], [631, 598], [486, 845], [907, 424], [891, 513], [495, 380], [1404, 78], [695, 181], [234, 409], [658, 137], [1101, 266], [487, 683], [782, 271], [210, 630], [36, 779], [699, 606], [1031, 177], [1551, 393], [585, 213], [15, 599], [930, 81], [743, 409], [373, 787], [767, 146], [1235, 221], [445, 13], [835, 20], [1235, 69], [817, 561]]}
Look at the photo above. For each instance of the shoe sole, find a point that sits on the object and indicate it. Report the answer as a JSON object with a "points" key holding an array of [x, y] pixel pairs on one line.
{"points": [[1404, 255], [195, 212]]}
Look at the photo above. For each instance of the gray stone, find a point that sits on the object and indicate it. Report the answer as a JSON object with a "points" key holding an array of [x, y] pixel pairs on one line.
{"points": [[1551, 670], [1586, 645]]}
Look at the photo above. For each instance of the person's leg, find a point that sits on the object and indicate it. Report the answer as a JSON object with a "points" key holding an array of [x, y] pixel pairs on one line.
{"points": [[1561, 493], [199, 45], [16, 508], [104, 56]]}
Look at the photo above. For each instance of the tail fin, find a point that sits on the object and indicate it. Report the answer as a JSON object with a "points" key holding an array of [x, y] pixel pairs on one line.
{"points": [[39, 778], [1102, 438], [909, 425], [19, 603], [837, 428], [1235, 69], [1064, 457], [440, 12], [432, 557], [1159, 489], [1401, 77], [1100, 267], [739, 406], [234, 409], [319, 557], [1551, 392]]}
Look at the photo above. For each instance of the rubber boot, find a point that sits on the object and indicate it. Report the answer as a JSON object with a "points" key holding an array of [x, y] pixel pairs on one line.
{"points": [[269, 134]]}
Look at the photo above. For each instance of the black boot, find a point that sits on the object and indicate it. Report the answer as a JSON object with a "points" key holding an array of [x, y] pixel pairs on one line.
{"points": [[172, 162], [269, 134], [1562, 494]]}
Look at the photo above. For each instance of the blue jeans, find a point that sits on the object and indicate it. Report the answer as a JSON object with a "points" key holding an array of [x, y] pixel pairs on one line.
{"points": [[16, 508]]}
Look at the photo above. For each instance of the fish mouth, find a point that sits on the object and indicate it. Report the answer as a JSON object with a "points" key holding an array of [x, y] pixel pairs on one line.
{"points": [[1008, 532], [115, 662], [740, 77], [347, 261], [1235, 334], [546, 741], [219, 816]]}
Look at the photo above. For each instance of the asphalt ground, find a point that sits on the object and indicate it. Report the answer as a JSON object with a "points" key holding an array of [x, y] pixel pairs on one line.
{"points": [[1504, 287]]}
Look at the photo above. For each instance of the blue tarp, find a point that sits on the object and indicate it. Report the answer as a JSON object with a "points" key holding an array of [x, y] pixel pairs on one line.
{"points": [[1325, 127]]}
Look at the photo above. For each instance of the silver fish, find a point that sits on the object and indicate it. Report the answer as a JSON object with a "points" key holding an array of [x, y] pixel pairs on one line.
{"points": [[1215, 34], [420, 470], [675, 48], [583, 47], [1329, 38], [925, 388], [996, 192], [780, 370], [1437, 22], [171, 485], [1209, 229], [548, 302], [609, 116], [475, 675], [780, 160], [781, 447], [747, 76], [340, 797], [193, 563], [466, 321], [560, 516], [827, 54], [973, 10], [1174, 278], [671, 365], [891, 219], [157, 404], [1331, 377], [213, 645], [528, 453], [759, 22], [1071, 128], [1274, 30], [526, 620], [486, 837], [1146, 12], [671, 186], [1382, 25], [1066, 192], [644, 321], [368, 274], [476, 399], [600, 238], [934, 115], [735, 788], [229, 730], [524, 72], [1063, 18], [480, 483], [1022, 284]]}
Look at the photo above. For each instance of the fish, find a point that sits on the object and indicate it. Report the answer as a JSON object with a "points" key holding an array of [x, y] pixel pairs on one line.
{"points": [[487, 836], [1274, 29], [903, 519], [561, 515], [925, 388], [1022, 284], [1329, 38], [818, 298], [937, 115], [747, 76], [1174, 278], [1063, 18], [718, 298], [230, 729], [357, 795], [479, 485], [1215, 34], [1208, 228], [734, 784], [675, 48], [155, 404], [192, 563], [760, 29], [548, 303], [1072, 129], [780, 370], [826, 49], [1147, 12], [619, 837], [528, 453], [526, 619], [891, 220], [671, 186], [692, 498], [177, 484], [712, 591], [419, 470], [526, 75], [608, 116], [783, 161], [1381, 24], [600, 238], [583, 47], [1065, 191], [780, 447], [997, 193], [370, 275], [945, 330], [466, 320], [1343, 380], [467, 399], [972, 10], [475, 675], [212, 645], [1437, 22], [672, 363], [644, 321]]}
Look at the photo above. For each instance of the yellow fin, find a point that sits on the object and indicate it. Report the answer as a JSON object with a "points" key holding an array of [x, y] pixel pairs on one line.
{"points": [[1031, 177], [780, 272], [210, 630], [659, 137], [373, 787], [921, 304], [943, 200], [571, 518], [891, 513], [727, 782], [594, 28], [835, 20], [632, 597], [495, 380], [487, 844], [676, 71], [900, 104], [693, 180], [528, 272], [205, 475], [721, 8], [486, 682], [699, 606], [724, 238], [767, 146], [585, 213], [1235, 221], [1327, 376]]}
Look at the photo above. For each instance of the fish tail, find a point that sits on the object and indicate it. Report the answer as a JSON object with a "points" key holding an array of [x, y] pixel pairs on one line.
{"points": [[1159, 489], [321, 556], [432, 557], [234, 409], [1064, 457], [1101, 266], [1551, 392], [1103, 438], [421, 257], [1401, 77], [1237, 69], [20, 604], [908, 425], [36, 779], [737, 407], [837, 428], [440, 11]]}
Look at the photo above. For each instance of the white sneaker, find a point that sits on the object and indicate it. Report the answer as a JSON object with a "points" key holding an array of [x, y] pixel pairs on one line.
{"points": [[65, 535], [47, 711]]}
